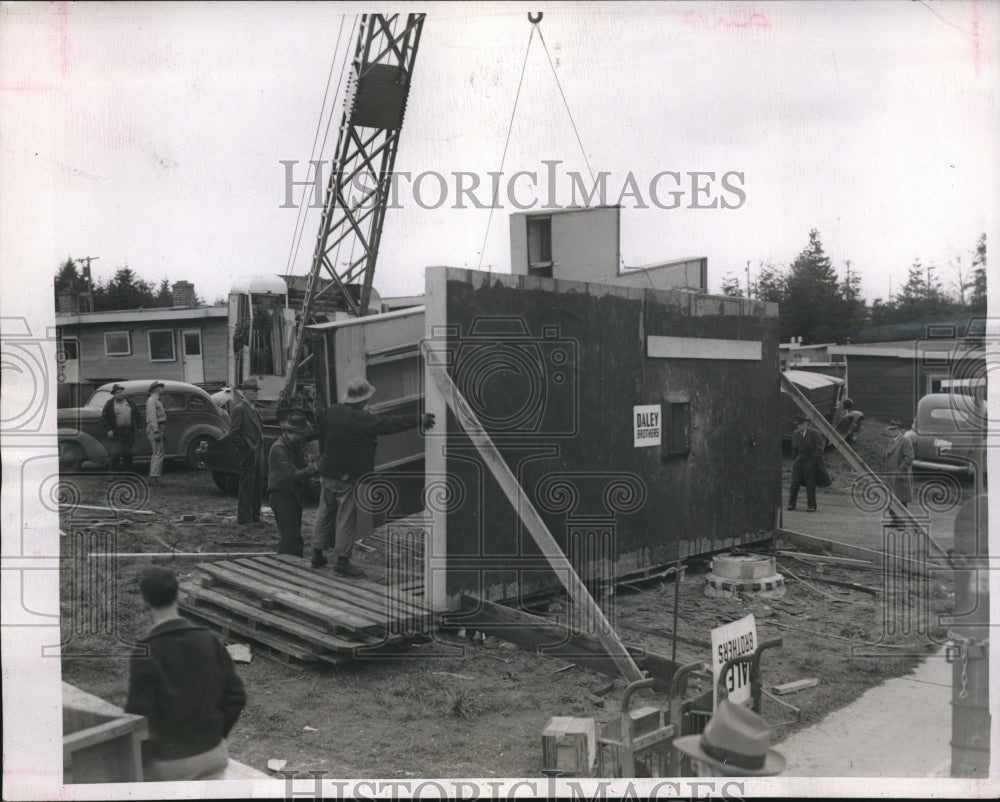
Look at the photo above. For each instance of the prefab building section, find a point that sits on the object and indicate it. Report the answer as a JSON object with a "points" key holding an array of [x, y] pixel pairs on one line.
{"points": [[642, 425]]}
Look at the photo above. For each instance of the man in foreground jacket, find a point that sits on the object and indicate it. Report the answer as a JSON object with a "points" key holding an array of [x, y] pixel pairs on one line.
{"points": [[183, 681], [348, 434]]}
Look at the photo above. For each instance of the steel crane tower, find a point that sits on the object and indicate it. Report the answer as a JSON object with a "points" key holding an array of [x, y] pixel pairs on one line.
{"points": [[374, 106]]}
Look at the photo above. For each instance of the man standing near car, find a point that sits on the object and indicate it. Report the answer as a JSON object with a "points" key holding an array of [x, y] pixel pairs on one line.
{"points": [[807, 450], [287, 468], [348, 434], [156, 422], [898, 462], [183, 681], [247, 434], [121, 417]]}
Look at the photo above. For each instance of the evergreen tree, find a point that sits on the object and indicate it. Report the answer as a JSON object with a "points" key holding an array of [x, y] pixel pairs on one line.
{"points": [[812, 307], [977, 297], [123, 291], [731, 286], [770, 283], [164, 296], [854, 311]]}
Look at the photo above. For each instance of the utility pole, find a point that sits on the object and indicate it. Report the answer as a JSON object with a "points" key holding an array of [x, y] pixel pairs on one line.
{"points": [[85, 261], [748, 278]]}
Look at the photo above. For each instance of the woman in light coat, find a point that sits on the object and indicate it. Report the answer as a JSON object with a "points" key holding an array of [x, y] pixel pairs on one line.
{"points": [[898, 459], [156, 419]]}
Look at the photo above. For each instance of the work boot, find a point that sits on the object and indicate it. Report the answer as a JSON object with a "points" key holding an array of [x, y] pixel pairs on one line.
{"points": [[318, 559], [345, 568]]}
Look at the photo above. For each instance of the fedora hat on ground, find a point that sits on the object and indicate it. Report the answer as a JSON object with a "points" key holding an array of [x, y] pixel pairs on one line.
{"points": [[736, 742], [154, 385], [358, 390], [296, 422], [250, 384]]}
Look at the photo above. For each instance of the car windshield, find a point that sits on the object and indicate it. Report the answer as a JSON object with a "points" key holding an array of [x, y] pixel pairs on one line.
{"points": [[99, 399]]}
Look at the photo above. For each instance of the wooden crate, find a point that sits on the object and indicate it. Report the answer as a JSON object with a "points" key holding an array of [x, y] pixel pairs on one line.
{"points": [[569, 745], [101, 742]]}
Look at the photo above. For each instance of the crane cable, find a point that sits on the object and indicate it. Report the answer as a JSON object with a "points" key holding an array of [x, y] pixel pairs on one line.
{"points": [[534, 19], [510, 127], [303, 211]]}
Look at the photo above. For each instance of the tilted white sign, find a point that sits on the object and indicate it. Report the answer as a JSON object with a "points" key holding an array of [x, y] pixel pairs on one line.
{"points": [[736, 639]]}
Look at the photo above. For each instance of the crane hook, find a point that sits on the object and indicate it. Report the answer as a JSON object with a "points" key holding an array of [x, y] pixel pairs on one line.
{"points": [[535, 18]]}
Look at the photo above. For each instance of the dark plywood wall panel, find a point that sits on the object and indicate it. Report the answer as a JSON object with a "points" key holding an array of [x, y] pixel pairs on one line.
{"points": [[553, 369]]}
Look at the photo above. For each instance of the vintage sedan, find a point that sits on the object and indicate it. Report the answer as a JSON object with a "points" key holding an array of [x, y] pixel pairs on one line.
{"points": [[950, 434], [192, 421]]}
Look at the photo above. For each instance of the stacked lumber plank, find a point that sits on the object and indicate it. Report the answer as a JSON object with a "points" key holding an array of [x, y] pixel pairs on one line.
{"points": [[303, 613]]}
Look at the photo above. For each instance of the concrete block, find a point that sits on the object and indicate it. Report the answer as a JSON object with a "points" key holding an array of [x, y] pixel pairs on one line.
{"points": [[743, 567], [569, 745]]}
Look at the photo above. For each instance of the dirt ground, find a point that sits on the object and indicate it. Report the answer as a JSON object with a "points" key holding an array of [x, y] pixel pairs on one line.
{"points": [[450, 707]]}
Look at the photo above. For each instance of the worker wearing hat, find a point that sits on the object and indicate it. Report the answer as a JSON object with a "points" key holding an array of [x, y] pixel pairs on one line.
{"points": [[347, 438], [898, 461], [807, 450], [247, 434], [121, 421], [850, 422], [156, 421], [735, 743], [287, 468]]}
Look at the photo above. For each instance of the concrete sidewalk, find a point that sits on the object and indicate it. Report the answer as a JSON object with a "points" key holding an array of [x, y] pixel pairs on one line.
{"points": [[902, 728]]}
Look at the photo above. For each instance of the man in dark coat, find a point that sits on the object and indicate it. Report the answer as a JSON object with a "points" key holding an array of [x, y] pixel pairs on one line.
{"points": [[850, 422], [247, 434], [287, 468], [348, 434], [183, 681], [807, 450], [121, 421]]}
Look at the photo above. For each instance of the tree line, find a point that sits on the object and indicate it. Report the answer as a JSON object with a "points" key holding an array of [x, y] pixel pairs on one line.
{"points": [[820, 308], [124, 290]]}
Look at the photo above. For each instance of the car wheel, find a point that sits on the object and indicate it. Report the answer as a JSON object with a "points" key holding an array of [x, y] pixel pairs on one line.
{"points": [[71, 457], [195, 446], [228, 483]]}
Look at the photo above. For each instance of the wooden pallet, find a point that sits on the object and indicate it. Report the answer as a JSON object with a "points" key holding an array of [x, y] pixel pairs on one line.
{"points": [[307, 614]]}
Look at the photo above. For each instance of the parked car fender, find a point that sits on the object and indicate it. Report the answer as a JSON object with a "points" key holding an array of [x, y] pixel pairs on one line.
{"points": [[93, 448]]}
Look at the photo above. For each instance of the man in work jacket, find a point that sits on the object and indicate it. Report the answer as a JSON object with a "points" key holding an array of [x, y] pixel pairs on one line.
{"points": [[286, 469], [898, 462], [347, 438], [807, 449], [183, 681], [121, 418], [247, 434]]}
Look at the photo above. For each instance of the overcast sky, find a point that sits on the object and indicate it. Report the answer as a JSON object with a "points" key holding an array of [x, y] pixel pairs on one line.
{"points": [[152, 134]]}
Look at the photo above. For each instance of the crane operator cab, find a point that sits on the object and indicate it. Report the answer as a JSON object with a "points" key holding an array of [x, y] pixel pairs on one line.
{"points": [[260, 328]]}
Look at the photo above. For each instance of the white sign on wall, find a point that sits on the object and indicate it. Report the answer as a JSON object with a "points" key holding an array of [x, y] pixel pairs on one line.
{"points": [[648, 424], [736, 639]]}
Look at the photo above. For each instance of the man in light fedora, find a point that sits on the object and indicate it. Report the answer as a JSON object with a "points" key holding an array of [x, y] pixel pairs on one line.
{"points": [[287, 467], [347, 437], [898, 465], [736, 743], [247, 434], [156, 421]]}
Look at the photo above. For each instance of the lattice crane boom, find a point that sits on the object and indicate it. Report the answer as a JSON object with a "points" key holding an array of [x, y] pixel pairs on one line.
{"points": [[358, 189]]}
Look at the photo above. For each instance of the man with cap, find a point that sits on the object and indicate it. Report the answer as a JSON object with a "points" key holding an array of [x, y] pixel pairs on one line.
{"points": [[247, 434], [121, 419], [850, 422], [735, 743], [156, 420], [807, 449], [286, 470], [347, 437], [183, 681], [898, 462]]}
